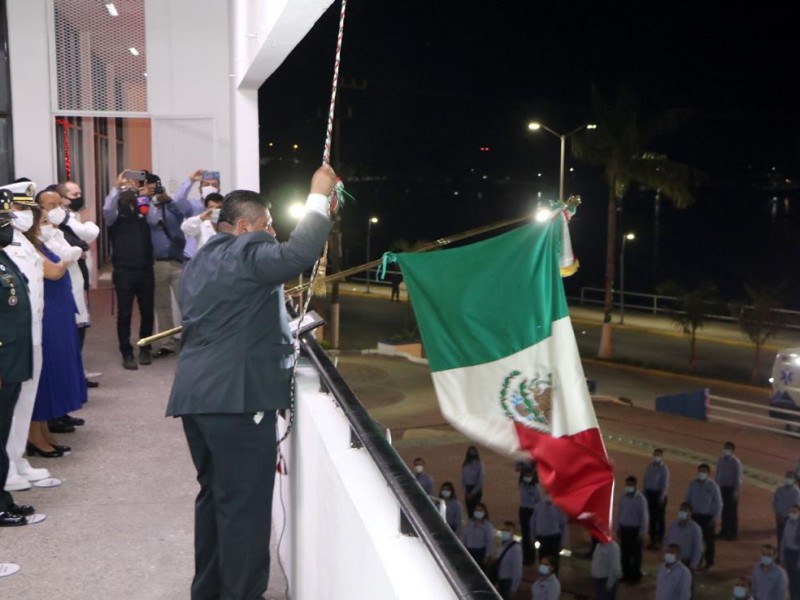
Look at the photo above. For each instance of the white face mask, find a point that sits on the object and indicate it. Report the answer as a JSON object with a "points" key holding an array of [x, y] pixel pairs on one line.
{"points": [[24, 220], [57, 215], [739, 592], [544, 570], [419, 468], [629, 489], [702, 476], [46, 233], [670, 558], [208, 189], [683, 515], [727, 452], [479, 514], [789, 481], [505, 535], [657, 459], [527, 479], [446, 493]]}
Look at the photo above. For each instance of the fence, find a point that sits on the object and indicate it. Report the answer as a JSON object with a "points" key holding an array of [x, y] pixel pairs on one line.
{"points": [[755, 416]]}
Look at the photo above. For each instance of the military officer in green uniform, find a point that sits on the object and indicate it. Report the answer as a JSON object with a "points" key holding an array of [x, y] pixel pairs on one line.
{"points": [[16, 354]]}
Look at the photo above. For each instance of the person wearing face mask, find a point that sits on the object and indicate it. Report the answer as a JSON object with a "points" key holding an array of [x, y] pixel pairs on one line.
{"points": [[631, 527], [674, 581], [548, 526], [452, 507], [684, 533], [656, 486], [124, 211], [741, 589], [21, 474], [234, 373], [729, 478], [16, 354], [785, 496], [478, 535], [769, 581], [704, 497], [425, 480], [506, 570], [547, 586], [606, 568], [62, 384], [472, 479], [78, 233], [200, 228], [209, 184], [529, 495], [789, 551]]}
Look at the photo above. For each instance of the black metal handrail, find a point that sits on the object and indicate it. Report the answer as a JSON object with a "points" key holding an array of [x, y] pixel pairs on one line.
{"points": [[465, 576]]}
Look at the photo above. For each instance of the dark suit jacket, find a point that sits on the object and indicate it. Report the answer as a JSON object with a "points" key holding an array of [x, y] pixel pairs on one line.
{"points": [[16, 344], [236, 349]]}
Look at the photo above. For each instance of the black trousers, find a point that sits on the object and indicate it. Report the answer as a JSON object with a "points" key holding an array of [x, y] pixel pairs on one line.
{"points": [[504, 588], [130, 284], [656, 509], [235, 461], [706, 523], [471, 501], [600, 591], [528, 551], [550, 545], [9, 394], [730, 512], [630, 545]]}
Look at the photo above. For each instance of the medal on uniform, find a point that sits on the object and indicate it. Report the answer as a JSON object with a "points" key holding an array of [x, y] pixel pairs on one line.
{"points": [[12, 300]]}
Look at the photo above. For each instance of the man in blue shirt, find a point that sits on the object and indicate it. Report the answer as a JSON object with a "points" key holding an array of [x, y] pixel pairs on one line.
{"points": [[165, 217]]}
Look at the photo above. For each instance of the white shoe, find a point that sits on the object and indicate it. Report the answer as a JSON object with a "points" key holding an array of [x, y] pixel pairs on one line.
{"points": [[93, 375], [32, 474], [15, 483]]}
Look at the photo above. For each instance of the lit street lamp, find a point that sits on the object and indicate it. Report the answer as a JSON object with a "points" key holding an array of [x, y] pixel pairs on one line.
{"points": [[625, 238], [535, 126], [372, 221]]}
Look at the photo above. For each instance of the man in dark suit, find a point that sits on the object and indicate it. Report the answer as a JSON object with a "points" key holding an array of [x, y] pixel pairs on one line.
{"points": [[16, 354], [233, 373]]}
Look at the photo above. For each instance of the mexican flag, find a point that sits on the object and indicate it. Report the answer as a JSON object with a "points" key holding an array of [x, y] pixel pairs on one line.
{"points": [[495, 325]]}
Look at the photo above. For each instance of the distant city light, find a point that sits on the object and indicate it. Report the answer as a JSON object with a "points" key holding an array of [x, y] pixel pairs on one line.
{"points": [[295, 146], [484, 148], [591, 126], [133, 51], [455, 193], [538, 174], [112, 10], [571, 169], [271, 145], [630, 236], [534, 126], [373, 219]]}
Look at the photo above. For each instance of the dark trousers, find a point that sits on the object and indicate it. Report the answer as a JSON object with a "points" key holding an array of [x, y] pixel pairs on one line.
{"points": [[528, 551], [130, 284], [730, 513], [9, 394], [780, 523], [706, 523], [550, 545], [600, 591], [793, 572], [235, 462], [471, 501], [656, 508], [504, 588], [630, 545]]}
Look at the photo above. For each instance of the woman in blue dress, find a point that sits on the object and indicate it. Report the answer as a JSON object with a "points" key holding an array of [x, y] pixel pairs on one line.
{"points": [[62, 387]]}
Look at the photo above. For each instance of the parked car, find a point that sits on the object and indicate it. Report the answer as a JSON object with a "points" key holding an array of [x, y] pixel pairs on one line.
{"points": [[785, 382]]}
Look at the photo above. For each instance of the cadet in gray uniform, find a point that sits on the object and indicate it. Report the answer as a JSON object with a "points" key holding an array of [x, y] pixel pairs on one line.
{"points": [[687, 535], [785, 496], [789, 551], [631, 527], [656, 486], [425, 480], [769, 580], [234, 371], [674, 581], [729, 480], [704, 497]]}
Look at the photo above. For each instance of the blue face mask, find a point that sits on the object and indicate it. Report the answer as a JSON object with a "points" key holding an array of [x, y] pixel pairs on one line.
{"points": [[739, 592], [683, 515], [544, 570], [767, 560], [479, 514]]}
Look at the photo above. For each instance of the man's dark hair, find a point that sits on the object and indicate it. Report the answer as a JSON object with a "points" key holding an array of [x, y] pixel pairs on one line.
{"points": [[213, 197], [631, 479], [49, 188], [242, 204], [704, 466]]}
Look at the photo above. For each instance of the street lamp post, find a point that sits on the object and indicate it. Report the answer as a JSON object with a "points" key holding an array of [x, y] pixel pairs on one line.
{"points": [[372, 221], [535, 126], [625, 238]]}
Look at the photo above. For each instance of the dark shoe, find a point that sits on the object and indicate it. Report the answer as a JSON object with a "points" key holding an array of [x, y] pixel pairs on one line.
{"points": [[23, 510], [92, 384], [32, 450], [74, 421], [8, 519], [63, 449], [164, 352], [145, 356], [59, 426], [128, 362]]}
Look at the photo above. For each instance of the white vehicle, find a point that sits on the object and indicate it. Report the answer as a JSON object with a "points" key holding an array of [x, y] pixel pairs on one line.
{"points": [[785, 382]]}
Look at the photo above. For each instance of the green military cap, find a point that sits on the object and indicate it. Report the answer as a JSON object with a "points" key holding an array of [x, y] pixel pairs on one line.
{"points": [[23, 192]]}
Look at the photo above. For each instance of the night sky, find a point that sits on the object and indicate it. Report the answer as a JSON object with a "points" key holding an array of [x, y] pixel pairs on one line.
{"points": [[445, 78]]}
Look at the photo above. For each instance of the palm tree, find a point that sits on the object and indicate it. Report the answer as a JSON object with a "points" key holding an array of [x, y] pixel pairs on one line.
{"points": [[759, 320], [619, 145], [690, 310]]}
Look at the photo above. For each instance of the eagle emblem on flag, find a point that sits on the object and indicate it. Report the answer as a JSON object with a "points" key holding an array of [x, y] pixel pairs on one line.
{"points": [[527, 400]]}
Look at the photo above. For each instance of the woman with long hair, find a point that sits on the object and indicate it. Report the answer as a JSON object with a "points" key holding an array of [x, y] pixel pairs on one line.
{"points": [[472, 479]]}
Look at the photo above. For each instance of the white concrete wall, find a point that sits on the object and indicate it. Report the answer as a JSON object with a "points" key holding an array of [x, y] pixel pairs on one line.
{"points": [[343, 519]]}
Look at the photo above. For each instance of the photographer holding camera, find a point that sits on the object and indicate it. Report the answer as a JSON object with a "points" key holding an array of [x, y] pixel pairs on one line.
{"points": [[125, 210], [165, 218]]}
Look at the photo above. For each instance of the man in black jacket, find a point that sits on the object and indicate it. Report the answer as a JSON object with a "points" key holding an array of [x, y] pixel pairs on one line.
{"points": [[125, 211], [16, 354]]}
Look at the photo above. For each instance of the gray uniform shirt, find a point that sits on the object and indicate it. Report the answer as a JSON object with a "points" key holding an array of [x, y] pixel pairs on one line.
{"points": [[689, 538], [529, 495], [656, 478], [674, 582], [479, 534], [704, 498], [606, 562], [784, 498], [511, 565], [769, 583], [426, 481], [548, 519], [546, 588], [472, 474], [633, 512], [729, 472]]}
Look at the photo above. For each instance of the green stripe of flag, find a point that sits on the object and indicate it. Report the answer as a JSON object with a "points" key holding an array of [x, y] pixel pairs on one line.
{"points": [[487, 300]]}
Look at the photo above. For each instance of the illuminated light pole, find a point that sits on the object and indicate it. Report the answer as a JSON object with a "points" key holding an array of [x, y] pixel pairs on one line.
{"points": [[372, 221], [536, 126], [627, 237]]}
